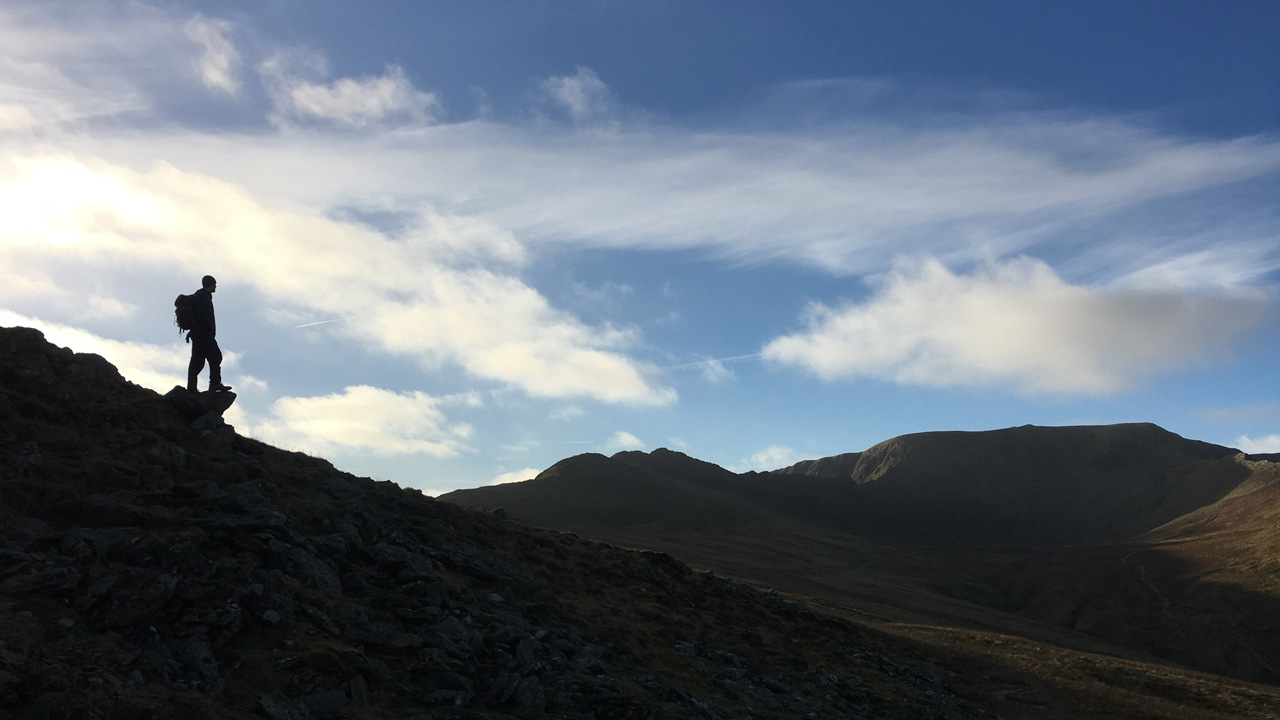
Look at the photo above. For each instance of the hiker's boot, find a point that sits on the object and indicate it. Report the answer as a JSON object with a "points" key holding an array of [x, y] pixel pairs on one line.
{"points": [[219, 387], [192, 389]]}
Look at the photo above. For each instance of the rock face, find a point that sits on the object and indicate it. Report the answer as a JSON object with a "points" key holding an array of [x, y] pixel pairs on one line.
{"points": [[153, 564]]}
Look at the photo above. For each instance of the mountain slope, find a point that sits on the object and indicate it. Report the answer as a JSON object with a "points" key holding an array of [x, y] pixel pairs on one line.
{"points": [[1020, 486], [1025, 485], [155, 566], [1122, 539]]}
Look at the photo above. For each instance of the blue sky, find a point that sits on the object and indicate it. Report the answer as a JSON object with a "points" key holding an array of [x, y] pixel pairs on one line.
{"points": [[459, 241]]}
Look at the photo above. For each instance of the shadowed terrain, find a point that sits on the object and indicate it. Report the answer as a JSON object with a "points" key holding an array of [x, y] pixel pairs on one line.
{"points": [[1126, 540], [155, 564]]}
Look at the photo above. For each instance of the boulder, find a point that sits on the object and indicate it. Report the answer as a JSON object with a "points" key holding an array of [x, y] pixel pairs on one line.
{"points": [[194, 406]]}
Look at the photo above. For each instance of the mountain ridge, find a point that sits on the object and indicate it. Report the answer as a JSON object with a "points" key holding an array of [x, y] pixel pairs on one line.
{"points": [[1040, 485], [1054, 534]]}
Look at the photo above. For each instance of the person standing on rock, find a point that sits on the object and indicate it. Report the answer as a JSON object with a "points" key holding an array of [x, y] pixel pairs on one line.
{"points": [[203, 339]]}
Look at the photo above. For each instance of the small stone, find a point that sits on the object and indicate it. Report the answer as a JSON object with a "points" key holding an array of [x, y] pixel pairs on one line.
{"points": [[272, 617], [359, 691], [67, 622]]}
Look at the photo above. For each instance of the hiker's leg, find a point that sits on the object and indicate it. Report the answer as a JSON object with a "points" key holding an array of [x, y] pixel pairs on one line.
{"points": [[196, 365], [215, 363]]}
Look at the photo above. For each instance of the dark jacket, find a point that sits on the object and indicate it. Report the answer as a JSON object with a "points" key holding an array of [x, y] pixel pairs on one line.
{"points": [[204, 324]]}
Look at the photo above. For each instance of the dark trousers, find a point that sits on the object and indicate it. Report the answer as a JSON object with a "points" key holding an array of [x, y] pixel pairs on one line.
{"points": [[204, 348]]}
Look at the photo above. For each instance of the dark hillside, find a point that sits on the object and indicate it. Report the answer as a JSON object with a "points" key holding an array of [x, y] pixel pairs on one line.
{"points": [[1026, 485], [1123, 539], [1020, 486], [626, 490], [156, 565]]}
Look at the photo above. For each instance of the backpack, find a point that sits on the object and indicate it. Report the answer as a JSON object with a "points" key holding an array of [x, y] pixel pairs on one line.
{"points": [[184, 312]]}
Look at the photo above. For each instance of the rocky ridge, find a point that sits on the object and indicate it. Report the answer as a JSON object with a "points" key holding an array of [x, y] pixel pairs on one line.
{"points": [[155, 564]]}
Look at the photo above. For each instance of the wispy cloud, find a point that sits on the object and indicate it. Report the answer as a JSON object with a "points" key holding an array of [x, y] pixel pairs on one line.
{"points": [[66, 67], [219, 64], [584, 95], [296, 81], [845, 199], [1015, 326]]}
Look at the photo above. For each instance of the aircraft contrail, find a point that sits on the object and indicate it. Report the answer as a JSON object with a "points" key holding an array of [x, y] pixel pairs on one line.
{"points": [[711, 361], [322, 322]]}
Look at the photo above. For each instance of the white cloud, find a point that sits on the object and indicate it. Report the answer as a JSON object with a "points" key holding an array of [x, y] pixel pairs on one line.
{"points": [[365, 419], [516, 476], [354, 102], [157, 367], [403, 295], [623, 440], [1268, 444], [772, 458], [219, 64], [1015, 325], [583, 94]]}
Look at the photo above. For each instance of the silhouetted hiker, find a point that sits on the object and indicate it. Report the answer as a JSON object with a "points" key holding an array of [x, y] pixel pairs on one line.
{"points": [[203, 338]]}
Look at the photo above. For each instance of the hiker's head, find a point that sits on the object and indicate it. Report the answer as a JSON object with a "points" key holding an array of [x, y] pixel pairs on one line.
{"points": [[209, 283]]}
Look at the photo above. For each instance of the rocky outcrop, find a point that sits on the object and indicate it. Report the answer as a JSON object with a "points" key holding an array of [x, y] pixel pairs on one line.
{"points": [[203, 411]]}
